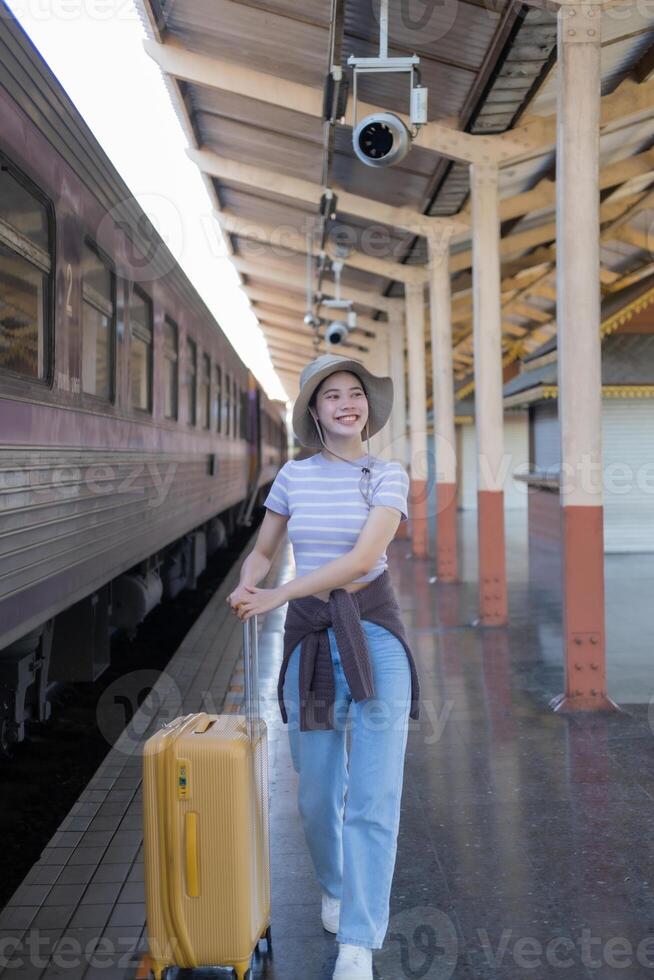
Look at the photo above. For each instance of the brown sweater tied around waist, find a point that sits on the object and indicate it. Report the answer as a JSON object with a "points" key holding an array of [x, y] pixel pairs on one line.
{"points": [[307, 619]]}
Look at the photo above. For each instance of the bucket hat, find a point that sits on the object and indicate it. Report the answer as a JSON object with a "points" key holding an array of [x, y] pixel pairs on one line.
{"points": [[379, 392]]}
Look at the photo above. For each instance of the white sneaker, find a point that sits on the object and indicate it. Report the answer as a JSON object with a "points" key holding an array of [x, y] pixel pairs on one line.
{"points": [[331, 910], [353, 963]]}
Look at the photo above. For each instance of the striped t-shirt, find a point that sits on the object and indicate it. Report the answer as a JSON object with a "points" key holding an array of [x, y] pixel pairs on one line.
{"points": [[326, 509]]}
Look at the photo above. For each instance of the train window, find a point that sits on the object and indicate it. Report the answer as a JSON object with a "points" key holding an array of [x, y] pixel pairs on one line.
{"points": [[140, 350], [25, 267], [98, 324], [205, 391], [170, 352], [228, 398], [219, 396], [244, 415], [191, 381]]}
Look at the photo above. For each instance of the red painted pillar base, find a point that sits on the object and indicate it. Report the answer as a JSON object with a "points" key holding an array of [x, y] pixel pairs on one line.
{"points": [[419, 521], [584, 637], [493, 606], [446, 556]]}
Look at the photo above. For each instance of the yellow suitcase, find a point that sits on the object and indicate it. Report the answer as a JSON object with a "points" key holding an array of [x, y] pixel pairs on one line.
{"points": [[206, 835]]}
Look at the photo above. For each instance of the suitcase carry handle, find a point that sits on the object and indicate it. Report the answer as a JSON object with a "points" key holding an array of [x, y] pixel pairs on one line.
{"points": [[253, 721], [251, 676]]}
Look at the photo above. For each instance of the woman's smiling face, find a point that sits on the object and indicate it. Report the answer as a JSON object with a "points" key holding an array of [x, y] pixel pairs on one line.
{"points": [[341, 404]]}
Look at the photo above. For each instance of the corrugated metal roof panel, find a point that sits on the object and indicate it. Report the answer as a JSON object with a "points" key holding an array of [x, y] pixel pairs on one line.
{"points": [[239, 141], [259, 208], [267, 41], [265, 117], [626, 20], [628, 359], [524, 62], [450, 31], [448, 84], [619, 256], [380, 241], [402, 186], [521, 177], [620, 57], [545, 375], [623, 43], [312, 11]]}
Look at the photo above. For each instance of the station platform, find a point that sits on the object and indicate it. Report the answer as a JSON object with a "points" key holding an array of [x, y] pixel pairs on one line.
{"points": [[525, 836]]}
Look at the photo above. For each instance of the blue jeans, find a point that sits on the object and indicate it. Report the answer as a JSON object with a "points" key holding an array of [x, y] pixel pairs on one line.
{"points": [[350, 804]]}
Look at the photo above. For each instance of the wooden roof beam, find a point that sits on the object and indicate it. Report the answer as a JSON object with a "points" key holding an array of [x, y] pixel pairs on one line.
{"points": [[543, 195], [286, 336], [520, 308], [178, 61], [521, 241], [630, 278], [304, 190], [513, 329], [365, 324], [639, 239], [274, 298], [300, 353], [629, 102], [299, 359], [642, 202], [277, 272], [288, 238]]}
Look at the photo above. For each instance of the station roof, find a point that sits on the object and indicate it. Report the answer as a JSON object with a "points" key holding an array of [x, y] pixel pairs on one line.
{"points": [[247, 80], [627, 353]]}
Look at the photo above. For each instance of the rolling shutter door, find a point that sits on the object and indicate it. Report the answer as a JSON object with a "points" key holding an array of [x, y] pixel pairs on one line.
{"points": [[628, 460]]}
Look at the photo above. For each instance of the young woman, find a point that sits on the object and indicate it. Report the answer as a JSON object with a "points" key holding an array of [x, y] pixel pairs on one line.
{"points": [[346, 655]]}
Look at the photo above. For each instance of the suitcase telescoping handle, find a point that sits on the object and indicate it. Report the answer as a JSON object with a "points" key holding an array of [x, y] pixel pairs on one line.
{"points": [[251, 675]]}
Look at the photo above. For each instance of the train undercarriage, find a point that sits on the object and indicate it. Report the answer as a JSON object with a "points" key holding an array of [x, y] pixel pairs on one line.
{"points": [[74, 645]]}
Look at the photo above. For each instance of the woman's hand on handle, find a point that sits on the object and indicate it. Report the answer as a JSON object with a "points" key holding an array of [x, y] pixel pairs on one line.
{"points": [[239, 595], [247, 601]]}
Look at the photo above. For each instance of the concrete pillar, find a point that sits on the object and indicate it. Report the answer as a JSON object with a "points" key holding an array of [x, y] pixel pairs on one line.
{"points": [[440, 307], [396, 354], [398, 418], [488, 393], [418, 493], [579, 357]]}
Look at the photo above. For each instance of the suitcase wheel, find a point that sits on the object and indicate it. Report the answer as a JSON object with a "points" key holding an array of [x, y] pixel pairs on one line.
{"points": [[268, 937], [146, 970]]}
